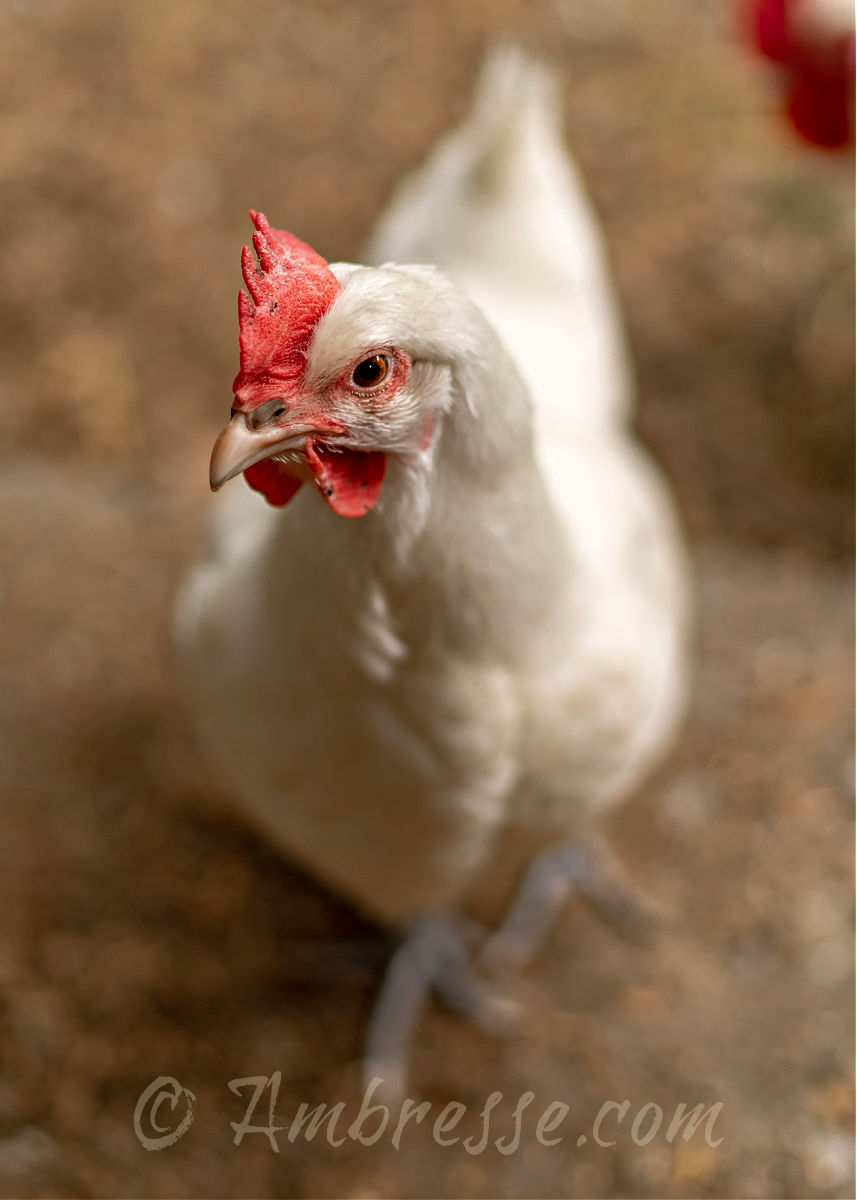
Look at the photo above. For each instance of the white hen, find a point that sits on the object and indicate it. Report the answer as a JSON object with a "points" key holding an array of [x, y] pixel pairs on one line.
{"points": [[412, 702]]}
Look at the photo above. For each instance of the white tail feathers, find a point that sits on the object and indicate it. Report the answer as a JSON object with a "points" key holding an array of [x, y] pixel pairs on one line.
{"points": [[475, 167], [500, 208], [513, 94]]}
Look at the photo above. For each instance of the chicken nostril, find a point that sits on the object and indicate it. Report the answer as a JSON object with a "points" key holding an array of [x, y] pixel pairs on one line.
{"points": [[265, 413]]}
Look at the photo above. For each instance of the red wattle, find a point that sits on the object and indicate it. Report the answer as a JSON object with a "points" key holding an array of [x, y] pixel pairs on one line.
{"points": [[349, 480], [820, 109], [273, 480]]}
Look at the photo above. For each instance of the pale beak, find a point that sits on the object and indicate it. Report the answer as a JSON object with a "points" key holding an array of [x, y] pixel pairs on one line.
{"points": [[239, 447]]}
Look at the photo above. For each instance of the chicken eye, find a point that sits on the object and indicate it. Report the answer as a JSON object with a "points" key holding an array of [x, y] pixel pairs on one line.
{"points": [[371, 371]]}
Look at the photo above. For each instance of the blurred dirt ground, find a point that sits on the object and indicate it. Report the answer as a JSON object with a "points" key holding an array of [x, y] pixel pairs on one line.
{"points": [[145, 933]]}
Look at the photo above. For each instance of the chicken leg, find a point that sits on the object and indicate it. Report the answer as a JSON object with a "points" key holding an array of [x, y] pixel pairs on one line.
{"points": [[436, 954], [445, 953], [587, 866]]}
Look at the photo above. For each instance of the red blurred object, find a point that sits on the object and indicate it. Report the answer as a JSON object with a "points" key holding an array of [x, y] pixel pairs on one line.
{"points": [[813, 44]]}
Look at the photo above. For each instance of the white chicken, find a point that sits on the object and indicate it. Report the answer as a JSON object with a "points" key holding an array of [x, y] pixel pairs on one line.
{"points": [[414, 702]]}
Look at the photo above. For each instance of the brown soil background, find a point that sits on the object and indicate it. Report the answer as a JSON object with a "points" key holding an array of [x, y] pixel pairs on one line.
{"points": [[146, 934]]}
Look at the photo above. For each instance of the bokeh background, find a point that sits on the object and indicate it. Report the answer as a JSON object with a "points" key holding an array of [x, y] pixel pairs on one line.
{"points": [[144, 932]]}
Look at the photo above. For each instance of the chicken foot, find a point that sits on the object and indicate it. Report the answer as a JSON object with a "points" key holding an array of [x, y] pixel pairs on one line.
{"points": [[437, 954]]}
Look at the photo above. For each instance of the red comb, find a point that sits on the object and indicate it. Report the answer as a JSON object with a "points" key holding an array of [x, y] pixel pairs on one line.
{"points": [[290, 291]]}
